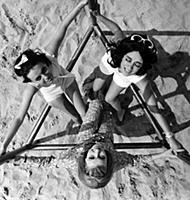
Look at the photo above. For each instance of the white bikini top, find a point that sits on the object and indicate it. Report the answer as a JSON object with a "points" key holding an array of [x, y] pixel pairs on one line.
{"points": [[62, 80]]}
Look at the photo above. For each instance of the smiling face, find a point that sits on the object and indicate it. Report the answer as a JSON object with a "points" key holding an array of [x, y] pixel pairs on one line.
{"points": [[96, 156], [131, 63], [41, 75]]}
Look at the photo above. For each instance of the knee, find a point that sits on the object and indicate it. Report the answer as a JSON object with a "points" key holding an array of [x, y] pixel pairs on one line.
{"points": [[96, 87], [109, 99], [97, 84], [83, 111]]}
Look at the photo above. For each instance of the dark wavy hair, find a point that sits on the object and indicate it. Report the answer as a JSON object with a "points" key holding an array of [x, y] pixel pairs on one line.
{"points": [[97, 177], [33, 58], [119, 49]]}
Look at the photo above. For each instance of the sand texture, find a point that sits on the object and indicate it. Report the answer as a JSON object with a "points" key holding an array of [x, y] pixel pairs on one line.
{"points": [[47, 176]]}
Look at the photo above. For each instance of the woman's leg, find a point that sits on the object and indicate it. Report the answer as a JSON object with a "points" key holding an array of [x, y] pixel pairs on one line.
{"points": [[97, 84], [75, 96], [100, 79], [67, 107], [112, 98]]}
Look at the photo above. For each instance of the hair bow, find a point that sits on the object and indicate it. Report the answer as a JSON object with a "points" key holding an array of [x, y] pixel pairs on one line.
{"points": [[23, 60]]}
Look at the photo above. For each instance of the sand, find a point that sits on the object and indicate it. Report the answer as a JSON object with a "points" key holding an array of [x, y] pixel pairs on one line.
{"points": [[26, 24]]}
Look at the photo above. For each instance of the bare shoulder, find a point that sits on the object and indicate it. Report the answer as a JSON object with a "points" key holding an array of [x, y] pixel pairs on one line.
{"points": [[50, 50], [29, 91]]}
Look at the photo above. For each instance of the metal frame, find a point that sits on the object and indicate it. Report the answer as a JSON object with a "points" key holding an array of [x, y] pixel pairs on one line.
{"points": [[37, 144]]}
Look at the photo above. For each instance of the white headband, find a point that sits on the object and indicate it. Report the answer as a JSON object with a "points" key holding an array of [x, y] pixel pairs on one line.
{"points": [[23, 60]]}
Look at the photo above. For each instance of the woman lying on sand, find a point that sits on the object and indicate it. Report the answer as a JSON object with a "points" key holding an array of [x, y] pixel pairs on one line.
{"points": [[128, 59], [42, 72]]}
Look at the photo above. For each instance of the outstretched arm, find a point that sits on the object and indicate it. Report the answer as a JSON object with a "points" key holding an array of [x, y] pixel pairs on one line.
{"points": [[150, 99], [53, 46], [27, 97], [111, 25]]}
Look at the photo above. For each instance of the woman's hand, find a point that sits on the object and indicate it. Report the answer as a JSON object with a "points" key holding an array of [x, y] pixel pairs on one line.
{"points": [[97, 11], [84, 2]]}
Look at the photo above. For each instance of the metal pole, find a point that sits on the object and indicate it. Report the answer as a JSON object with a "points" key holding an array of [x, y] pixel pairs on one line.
{"points": [[12, 154], [147, 111], [39, 123], [122, 146], [93, 5], [80, 48], [101, 35]]}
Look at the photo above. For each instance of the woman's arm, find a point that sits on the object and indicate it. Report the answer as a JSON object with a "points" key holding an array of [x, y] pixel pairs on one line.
{"points": [[113, 27], [59, 35], [27, 97], [149, 97]]}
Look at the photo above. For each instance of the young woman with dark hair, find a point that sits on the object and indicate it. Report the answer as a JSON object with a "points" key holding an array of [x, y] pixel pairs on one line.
{"points": [[126, 62], [42, 72]]}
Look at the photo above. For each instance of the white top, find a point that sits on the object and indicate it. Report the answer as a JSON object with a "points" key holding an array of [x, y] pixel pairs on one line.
{"points": [[118, 77], [62, 80]]}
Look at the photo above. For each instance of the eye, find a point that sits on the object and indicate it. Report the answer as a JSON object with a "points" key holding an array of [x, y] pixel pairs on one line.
{"points": [[138, 65], [91, 157], [102, 157], [38, 78], [128, 59]]}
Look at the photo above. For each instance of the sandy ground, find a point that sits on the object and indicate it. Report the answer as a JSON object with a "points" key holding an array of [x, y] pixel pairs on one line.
{"points": [[26, 24]]}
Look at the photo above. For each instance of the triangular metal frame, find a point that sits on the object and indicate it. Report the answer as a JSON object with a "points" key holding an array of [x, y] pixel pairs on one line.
{"points": [[37, 144]]}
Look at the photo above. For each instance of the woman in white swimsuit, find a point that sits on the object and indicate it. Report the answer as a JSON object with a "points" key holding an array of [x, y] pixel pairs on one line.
{"points": [[42, 72], [128, 60]]}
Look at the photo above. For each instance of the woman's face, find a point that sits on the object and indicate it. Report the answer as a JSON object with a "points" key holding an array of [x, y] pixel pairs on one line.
{"points": [[96, 156], [131, 63], [41, 75]]}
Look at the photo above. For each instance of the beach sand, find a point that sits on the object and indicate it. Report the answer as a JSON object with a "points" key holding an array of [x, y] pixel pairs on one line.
{"points": [[25, 24]]}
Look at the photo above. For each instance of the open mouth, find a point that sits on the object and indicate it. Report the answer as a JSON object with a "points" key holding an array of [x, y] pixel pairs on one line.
{"points": [[48, 80]]}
